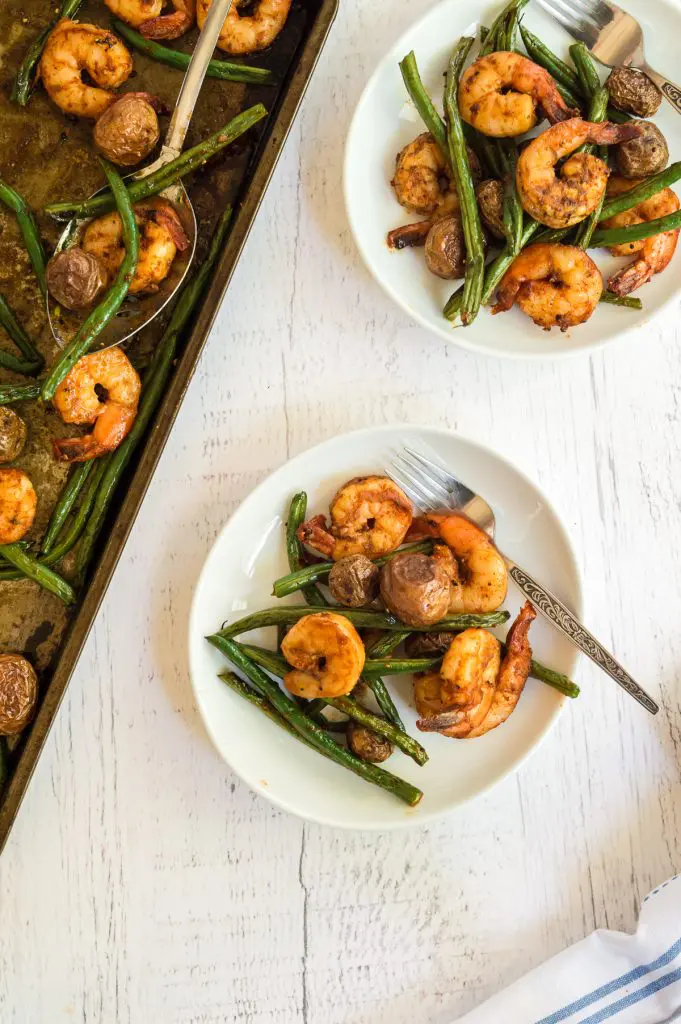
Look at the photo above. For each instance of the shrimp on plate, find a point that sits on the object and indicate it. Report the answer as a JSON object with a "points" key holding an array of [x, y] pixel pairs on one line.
{"points": [[499, 94], [103, 388], [515, 668], [73, 48], [161, 237], [146, 16], [18, 503], [555, 285], [327, 656], [370, 516], [247, 33], [652, 255], [423, 185], [562, 197], [477, 570]]}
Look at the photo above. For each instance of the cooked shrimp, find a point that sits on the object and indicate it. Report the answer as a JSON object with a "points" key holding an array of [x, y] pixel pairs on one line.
{"points": [[652, 254], [161, 236], [477, 570], [327, 655], [18, 502], [515, 668], [72, 49], [250, 32], [457, 701], [422, 184], [556, 285], [370, 515], [146, 16], [564, 198], [499, 95], [102, 388]]}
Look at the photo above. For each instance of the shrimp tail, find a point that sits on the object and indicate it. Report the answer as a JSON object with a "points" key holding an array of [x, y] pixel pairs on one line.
{"points": [[314, 533], [516, 641], [409, 235], [608, 134], [168, 219], [627, 280], [167, 26], [77, 449], [555, 110], [507, 293]]}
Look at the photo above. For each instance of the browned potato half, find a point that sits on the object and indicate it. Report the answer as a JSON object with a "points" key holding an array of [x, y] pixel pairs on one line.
{"points": [[490, 196], [644, 155], [353, 581], [18, 693], [75, 278], [632, 91], [13, 434], [416, 589], [127, 132], [427, 645], [366, 744], [445, 249]]}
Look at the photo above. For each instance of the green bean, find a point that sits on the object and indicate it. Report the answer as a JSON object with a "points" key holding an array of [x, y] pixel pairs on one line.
{"points": [[597, 112], [423, 102], [384, 700], [154, 384], [225, 70], [157, 181], [236, 684], [23, 83], [399, 666], [557, 68], [29, 230], [491, 40], [628, 301], [16, 365], [470, 214], [557, 680], [618, 116], [550, 235], [92, 327], [385, 645], [294, 581], [67, 500], [19, 336], [648, 188], [10, 393], [294, 549], [513, 211], [291, 613], [32, 569], [586, 69], [607, 237], [311, 732]]}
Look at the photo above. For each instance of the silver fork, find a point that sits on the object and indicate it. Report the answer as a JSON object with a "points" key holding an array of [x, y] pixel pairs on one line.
{"points": [[431, 486], [613, 37]]}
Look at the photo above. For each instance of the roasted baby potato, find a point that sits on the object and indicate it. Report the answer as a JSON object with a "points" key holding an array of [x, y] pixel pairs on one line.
{"points": [[353, 581], [75, 278], [644, 155], [633, 92], [127, 132], [18, 693], [13, 433], [490, 196], [427, 645], [445, 249], [367, 745], [416, 589]]}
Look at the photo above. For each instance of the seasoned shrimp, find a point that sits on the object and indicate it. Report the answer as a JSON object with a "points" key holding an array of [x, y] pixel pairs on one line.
{"points": [[476, 569], [72, 49], [515, 668], [249, 32], [146, 16], [457, 700], [18, 502], [564, 198], [161, 236], [556, 285], [652, 254], [370, 516], [499, 95], [102, 388], [327, 655], [422, 184]]}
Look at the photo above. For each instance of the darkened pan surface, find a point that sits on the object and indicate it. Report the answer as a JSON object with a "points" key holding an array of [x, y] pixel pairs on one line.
{"points": [[47, 157]]}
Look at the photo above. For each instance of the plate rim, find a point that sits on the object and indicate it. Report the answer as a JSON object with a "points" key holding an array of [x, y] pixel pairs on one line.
{"points": [[453, 335], [413, 818]]}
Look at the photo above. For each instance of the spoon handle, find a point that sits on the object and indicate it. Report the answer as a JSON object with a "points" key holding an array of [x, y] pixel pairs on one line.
{"points": [[562, 618], [193, 80]]}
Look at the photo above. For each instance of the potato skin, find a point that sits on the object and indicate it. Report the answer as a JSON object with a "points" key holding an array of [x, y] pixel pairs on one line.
{"points": [[416, 589], [127, 132], [644, 155], [18, 693], [427, 645], [445, 250], [353, 581], [367, 745], [13, 434], [75, 278], [490, 196], [633, 92]]}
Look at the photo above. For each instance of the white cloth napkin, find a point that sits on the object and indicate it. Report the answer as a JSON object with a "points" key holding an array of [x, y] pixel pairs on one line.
{"points": [[609, 976]]}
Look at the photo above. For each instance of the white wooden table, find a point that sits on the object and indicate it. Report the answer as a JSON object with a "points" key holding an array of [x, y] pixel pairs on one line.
{"points": [[143, 882]]}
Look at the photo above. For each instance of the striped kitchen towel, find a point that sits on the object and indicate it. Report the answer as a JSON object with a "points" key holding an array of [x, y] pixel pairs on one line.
{"points": [[609, 976]]}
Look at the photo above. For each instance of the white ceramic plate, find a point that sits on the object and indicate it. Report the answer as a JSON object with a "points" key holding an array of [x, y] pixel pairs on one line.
{"points": [[385, 121], [237, 578]]}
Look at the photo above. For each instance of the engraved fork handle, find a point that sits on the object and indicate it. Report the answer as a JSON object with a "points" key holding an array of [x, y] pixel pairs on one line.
{"points": [[671, 92], [563, 619]]}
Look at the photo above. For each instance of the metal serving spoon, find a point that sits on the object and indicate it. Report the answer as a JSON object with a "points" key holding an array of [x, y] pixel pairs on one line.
{"points": [[431, 486], [138, 312]]}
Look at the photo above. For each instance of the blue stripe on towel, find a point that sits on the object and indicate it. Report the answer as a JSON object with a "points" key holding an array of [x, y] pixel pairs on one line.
{"points": [[607, 990], [633, 997]]}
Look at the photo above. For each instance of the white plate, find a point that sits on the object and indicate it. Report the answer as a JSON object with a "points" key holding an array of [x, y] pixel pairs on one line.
{"points": [[237, 578], [385, 121]]}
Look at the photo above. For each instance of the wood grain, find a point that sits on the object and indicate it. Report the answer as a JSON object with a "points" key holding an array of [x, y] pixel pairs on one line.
{"points": [[143, 882]]}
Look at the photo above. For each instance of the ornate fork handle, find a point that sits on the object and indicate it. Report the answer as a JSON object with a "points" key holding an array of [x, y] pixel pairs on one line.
{"points": [[670, 91], [563, 619]]}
